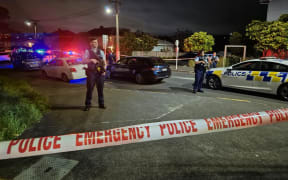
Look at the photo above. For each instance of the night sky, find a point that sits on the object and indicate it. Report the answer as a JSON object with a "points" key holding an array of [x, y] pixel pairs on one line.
{"points": [[153, 16]]}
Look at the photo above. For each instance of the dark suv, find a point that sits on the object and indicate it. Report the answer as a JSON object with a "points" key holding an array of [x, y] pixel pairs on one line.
{"points": [[141, 69]]}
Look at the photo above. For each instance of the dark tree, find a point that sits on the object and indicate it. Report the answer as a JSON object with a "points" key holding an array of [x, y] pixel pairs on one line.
{"points": [[283, 18], [4, 17]]}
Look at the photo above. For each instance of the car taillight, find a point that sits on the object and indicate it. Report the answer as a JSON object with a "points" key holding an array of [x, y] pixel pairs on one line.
{"points": [[73, 70]]}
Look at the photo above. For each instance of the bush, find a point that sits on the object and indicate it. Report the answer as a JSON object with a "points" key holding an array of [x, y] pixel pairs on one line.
{"points": [[20, 107], [220, 62], [191, 63], [230, 60]]}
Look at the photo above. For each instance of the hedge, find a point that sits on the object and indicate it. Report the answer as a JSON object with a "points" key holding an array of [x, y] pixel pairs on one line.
{"points": [[20, 107]]}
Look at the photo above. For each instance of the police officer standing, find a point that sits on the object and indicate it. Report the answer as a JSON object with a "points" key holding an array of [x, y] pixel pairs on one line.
{"points": [[110, 60], [201, 63], [214, 60], [95, 59]]}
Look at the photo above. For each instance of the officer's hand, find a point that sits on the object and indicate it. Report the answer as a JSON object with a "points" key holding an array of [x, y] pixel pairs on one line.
{"points": [[94, 61]]}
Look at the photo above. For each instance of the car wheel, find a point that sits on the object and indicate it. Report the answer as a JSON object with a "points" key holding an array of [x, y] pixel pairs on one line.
{"points": [[159, 80], [64, 78], [213, 82], [139, 78], [283, 92], [44, 75]]}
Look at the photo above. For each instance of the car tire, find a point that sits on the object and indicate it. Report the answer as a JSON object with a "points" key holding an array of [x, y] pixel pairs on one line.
{"points": [[283, 92], [139, 78], [44, 74], [64, 78], [159, 80], [213, 82]]}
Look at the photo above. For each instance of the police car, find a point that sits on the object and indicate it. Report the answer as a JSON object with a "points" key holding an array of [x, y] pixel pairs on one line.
{"points": [[65, 68], [26, 58], [265, 75]]}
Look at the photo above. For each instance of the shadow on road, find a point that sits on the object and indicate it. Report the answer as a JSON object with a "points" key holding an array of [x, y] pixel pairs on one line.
{"points": [[70, 107], [190, 90], [123, 80]]}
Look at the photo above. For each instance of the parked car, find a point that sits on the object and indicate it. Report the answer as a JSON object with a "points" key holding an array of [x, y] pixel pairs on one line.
{"points": [[4, 56], [260, 75], [141, 69], [65, 68], [26, 59]]}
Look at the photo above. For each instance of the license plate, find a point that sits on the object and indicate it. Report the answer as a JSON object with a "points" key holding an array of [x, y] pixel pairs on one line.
{"points": [[164, 69], [33, 65]]}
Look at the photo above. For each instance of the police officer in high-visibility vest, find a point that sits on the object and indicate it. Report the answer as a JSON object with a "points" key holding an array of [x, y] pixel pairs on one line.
{"points": [[214, 60], [95, 59], [201, 63]]}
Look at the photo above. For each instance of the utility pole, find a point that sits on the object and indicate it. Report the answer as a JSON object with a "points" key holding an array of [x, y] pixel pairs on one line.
{"points": [[34, 23], [117, 5], [35, 29]]}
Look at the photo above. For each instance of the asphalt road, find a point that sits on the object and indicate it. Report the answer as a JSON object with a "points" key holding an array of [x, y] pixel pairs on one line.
{"points": [[254, 153]]}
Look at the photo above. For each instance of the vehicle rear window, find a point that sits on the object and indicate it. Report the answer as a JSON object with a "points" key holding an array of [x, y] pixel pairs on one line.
{"points": [[250, 66], [275, 67], [150, 61], [72, 62], [157, 60]]}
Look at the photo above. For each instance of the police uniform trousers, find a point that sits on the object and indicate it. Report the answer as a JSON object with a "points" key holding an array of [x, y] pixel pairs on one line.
{"points": [[213, 64], [94, 78], [199, 77]]}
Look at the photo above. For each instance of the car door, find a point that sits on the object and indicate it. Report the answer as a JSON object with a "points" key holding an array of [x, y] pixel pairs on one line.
{"points": [[242, 75], [273, 75], [59, 68], [50, 68], [121, 68], [133, 63]]}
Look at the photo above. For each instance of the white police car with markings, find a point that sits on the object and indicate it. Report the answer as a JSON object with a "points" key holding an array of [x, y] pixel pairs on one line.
{"points": [[65, 68], [265, 75]]}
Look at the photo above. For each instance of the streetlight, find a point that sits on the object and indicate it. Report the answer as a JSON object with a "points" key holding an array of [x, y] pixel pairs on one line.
{"points": [[34, 22], [28, 23], [109, 11]]}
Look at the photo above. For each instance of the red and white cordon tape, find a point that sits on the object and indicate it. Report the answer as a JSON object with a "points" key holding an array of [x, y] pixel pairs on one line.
{"points": [[136, 134]]}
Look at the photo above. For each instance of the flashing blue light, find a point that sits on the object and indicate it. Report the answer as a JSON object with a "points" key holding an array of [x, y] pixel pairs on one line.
{"points": [[40, 51], [78, 81], [71, 53], [6, 66]]}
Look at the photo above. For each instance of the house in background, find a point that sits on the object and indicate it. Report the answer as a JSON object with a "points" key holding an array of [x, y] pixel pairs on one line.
{"points": [[110, 31], [163, 46], [276, 8]]}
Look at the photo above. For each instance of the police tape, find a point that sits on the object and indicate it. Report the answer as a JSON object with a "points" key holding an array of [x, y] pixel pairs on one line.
{"points": [[179, 59], [136, 134]]}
